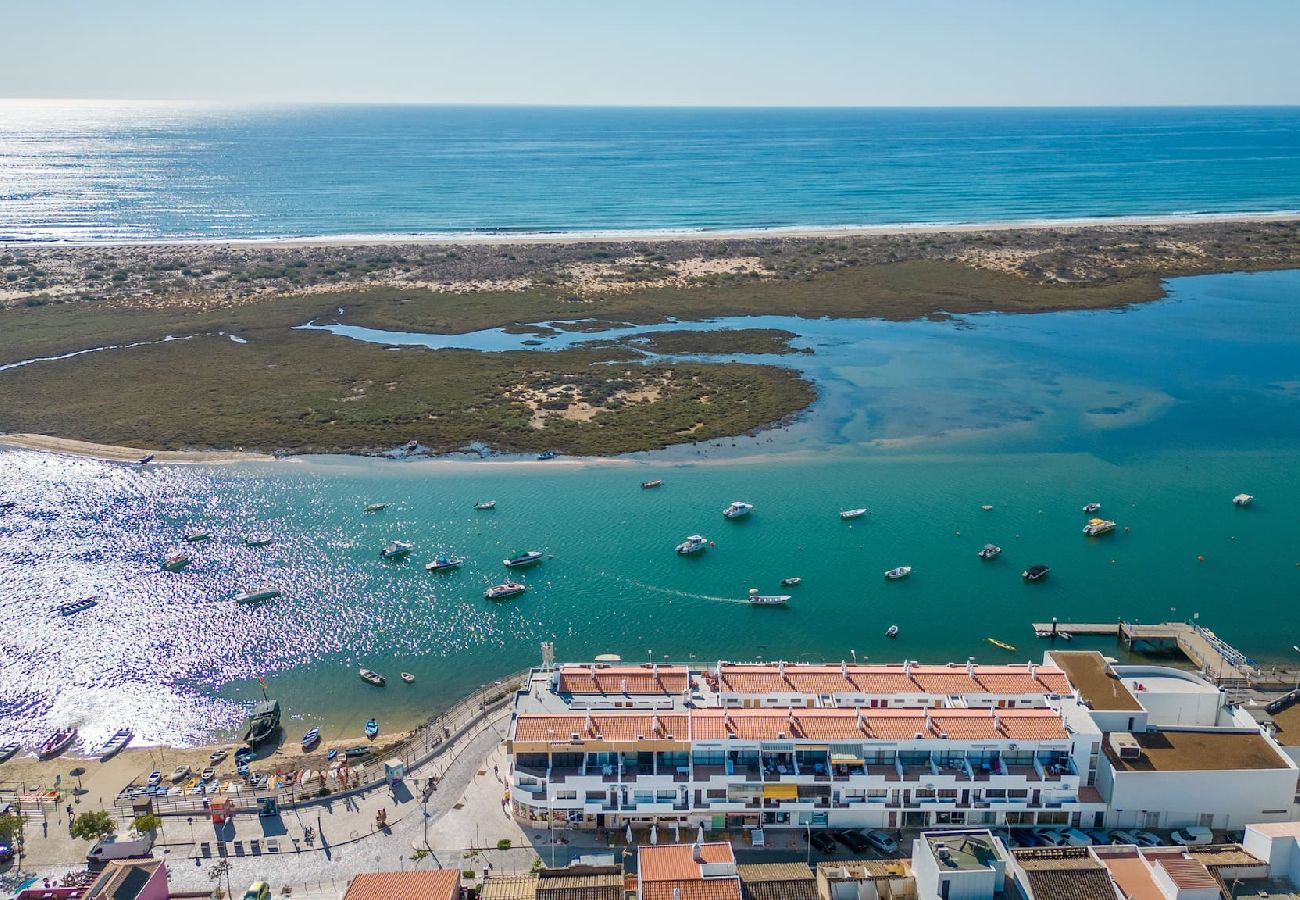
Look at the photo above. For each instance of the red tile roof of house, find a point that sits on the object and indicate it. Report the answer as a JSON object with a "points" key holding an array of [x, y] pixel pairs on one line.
{"points": [[440, 884], [676, 862], [831, 679], [713, 889], [607, 679]]}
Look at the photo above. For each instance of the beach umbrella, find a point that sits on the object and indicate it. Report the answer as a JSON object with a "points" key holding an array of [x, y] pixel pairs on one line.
{"points": [[629, 834], [654, 833], [699, 838], [677, 836]]}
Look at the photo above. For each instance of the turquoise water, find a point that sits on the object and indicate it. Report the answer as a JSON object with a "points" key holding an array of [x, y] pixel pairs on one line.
{"points": [[122, 171], [1162, 413]]}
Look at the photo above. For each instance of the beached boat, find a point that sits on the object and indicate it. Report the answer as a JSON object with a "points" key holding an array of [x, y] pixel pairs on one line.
{"points": [[176, 562], [1098, 526], [180, 772], [73, 607], [693, 544], [144, 460], [396, 550], [217, 756], [1000, 644], [311, 739], [408, 678], [116, 744], [486, 504], [898, 572], [445, 563], [853, 513], [372, 728], [197, 537], [372, 677], [1091, 507], [1034, 573], [375, 507], [245, 755], [1243, 499], [738, 509], [652, 484], [990, 551], [262, 723], [891, 631], [8, 750], [331, 754], [546, 454], [791, 582], [258, 541], [522, 559], [256, 596], [353, 752], [411, 446], [504, 591], [56, 743], [757, 599]]}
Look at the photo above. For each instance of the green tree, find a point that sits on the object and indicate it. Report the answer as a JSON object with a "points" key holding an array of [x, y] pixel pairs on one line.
{"points": [[91, 826], [146, 823], [10, 825]]}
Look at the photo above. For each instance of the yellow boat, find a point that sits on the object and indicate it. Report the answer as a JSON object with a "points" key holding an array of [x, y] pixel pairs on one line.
{"points": [[996, 643]]}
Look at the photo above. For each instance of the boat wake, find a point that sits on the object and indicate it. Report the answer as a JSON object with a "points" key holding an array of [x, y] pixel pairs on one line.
{"points": [[676, 593]]}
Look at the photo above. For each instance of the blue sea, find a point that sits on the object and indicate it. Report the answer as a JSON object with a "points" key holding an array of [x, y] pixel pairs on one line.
{"points": [[106, 171]]}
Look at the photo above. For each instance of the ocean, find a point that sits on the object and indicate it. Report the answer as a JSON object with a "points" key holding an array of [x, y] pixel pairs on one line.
{"points": [[1162, 412], [104, 171]]}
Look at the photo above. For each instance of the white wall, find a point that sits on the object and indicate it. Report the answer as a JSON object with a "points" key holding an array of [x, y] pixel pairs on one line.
{"points": [[1236, 798], [1282, 853]]}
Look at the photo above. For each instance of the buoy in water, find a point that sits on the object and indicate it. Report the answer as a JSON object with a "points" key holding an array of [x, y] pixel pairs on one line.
{"points": [[1200, 559]]}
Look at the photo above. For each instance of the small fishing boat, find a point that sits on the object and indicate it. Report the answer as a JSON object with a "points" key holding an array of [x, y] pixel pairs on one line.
{"points": [[546, 454], [180, 772], [8, 750], [1001, 645], [1091, 507], [898, 572], [375, 507], [216, 756], [408, 678], [738, 509], [990, 551], [652, 484], [311, 739], [73, 607], [332, 754], [56, 743], [1034, 573], [522, 559], [757, 599], [372, 677], [244, 755], [256, 596], [791, 582], [353, 752], [411, 446], [1097, 527], [372, 728], [144, 460], [197, 537], [987, 507], [891, 631], [258, 541], [853, 513], [116, 744], [445, 563], [504, 591], [396, 550], [1243, 499], [693, 544], [486, 504], [176, 562]]}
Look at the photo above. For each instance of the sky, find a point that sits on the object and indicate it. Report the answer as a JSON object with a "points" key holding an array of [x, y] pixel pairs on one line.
{"points": [[659, 52]]}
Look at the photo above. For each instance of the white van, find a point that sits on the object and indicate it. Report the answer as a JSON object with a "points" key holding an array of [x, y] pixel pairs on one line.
{"points": [[1192, 836]]}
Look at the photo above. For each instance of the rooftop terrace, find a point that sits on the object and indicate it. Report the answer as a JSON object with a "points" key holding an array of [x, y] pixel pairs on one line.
{"points": [[963, 849], [1097, 685], [1198, 751]]}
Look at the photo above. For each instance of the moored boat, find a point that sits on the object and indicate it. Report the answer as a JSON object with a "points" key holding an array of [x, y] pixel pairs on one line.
{"points": [[486, 504], [353, 752], [444, 563], [176, 562], [504, 591], [256, 596], [1091, 507], [408, 678], [1098, 526], [546, 454], [411, 446], [116, 744], [255, 540], [1001, 645], [857, 513], [791, 582], [375, 507], [738, 509], [898, 572], [372, 728], [197, 537], [757, 599], [56, 743], [891, 631], [1243, 499], [693, 544], [311, 738], [372, 677], [396, 550], [990, 551], [262, 723], [1034, 573], [653, 483], [75, 606], [522, 559]]}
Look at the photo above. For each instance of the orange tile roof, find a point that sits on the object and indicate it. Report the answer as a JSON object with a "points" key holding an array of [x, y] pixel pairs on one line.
{"points": [[713, 889], [605, 679], [831, 679], [439, 884], [1188, 874], [611, 726], [1132, 876], [676, 862], [1032, 724]]}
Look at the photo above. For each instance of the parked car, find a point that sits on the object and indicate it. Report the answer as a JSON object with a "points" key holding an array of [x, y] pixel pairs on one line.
{"points": [[258, 890], [1099, 837], [1025, 837], [882, 842], [852, 839], [1073, 837], [1193, 836], [821, 841], [1052, 837], [1148, 839], [6, 853]]}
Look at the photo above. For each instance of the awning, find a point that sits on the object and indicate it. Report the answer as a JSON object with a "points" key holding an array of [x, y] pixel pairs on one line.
{"points": [[846, 759], [780, 792], [811, 748]]}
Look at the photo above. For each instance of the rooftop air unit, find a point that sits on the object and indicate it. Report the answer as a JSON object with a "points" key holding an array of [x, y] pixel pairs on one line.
{"points": [[1125, 745]]}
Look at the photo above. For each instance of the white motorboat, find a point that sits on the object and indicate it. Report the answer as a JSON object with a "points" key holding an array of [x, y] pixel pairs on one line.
{"points": [[486, 504], [445, 563], [258, 540], [397, 550], [1096, 527], [1243, 499], [176, 562], [898, 572], [738, 509], [375, 507], [116, 744], [522, 559], [408, 678], [791, 582], [372, 677], [504, 591], [853, 513], [256, 596], [1035, 573], [990, 551], [891, 631], [757, 599], [693, 544], [1091, 507]]}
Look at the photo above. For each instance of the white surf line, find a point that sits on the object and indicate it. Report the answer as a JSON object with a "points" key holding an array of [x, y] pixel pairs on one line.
{"points": [[28, 362]]}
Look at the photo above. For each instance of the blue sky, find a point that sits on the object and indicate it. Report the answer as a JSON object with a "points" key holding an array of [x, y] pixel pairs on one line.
{"points": [[703, 52]]}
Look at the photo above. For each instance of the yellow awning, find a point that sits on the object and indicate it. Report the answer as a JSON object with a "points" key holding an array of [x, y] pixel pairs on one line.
{"points": [[780, 792], [846, 759]]}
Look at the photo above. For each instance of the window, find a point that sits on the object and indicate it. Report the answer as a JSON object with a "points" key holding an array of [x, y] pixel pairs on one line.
{"points": [[566, 795]]}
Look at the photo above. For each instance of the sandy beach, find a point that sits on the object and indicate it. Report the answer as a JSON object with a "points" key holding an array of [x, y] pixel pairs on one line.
{"points": [[113, 453]]}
